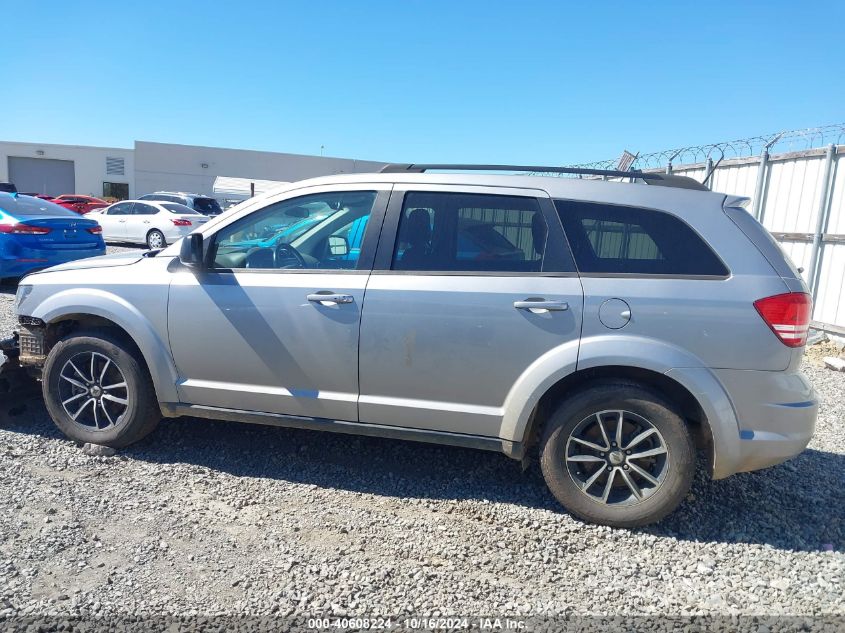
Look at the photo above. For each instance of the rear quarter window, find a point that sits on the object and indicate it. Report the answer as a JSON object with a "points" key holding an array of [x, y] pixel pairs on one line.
{"points": [[207, 205], [632, 240], [175, 207]]}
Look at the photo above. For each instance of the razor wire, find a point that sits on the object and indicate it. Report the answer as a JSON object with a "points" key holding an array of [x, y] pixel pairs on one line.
{"points": [[781, 142]]}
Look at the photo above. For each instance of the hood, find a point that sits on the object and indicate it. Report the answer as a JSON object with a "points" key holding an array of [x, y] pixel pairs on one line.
{"points": [[105, 261]]}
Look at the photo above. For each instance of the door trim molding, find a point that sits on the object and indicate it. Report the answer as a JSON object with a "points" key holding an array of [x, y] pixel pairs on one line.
{"points": [[514, 450]]}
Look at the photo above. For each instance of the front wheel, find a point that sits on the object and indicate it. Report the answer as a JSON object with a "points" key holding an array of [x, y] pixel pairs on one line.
{"points": [[97, 390], [617, 454], [156, 240]]}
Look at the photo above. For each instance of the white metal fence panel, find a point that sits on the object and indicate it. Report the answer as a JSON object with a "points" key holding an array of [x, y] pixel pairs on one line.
{"points": [[696, 173], [837, 199], [738, 179], [791, 199], [830, 292], [830, 305], [800, 252]]}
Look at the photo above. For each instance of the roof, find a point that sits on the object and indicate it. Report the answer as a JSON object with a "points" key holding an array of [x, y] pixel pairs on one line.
{"points": [[650, 178], [177, 193], [553, 185]]}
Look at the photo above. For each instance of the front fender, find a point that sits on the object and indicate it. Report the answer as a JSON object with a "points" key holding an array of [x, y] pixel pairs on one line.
{"points": [[100, 303]]}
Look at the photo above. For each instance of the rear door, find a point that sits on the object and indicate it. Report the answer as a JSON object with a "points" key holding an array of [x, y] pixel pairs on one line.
{"points": [[471, 286]]}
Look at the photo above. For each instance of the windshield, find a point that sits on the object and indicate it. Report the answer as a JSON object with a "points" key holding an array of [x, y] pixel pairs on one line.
{"points": [[289, 233], [29, 206], [181, 209], [208, 206]]}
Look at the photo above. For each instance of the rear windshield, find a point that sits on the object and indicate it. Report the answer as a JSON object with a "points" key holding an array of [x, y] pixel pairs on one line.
{"points": [[162, 196], [207, 205], [181, 209], [29, 206]]}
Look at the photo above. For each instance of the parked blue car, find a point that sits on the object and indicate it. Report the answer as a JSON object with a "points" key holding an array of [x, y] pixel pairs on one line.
{"points": [[36, 234]]}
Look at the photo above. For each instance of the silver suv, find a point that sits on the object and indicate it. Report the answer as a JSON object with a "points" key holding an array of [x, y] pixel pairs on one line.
{"points": [[199, 203], [612, 328]]}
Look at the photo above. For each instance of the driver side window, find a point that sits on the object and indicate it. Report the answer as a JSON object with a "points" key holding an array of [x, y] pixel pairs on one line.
{"points": [[122, 208], [309, 232]]}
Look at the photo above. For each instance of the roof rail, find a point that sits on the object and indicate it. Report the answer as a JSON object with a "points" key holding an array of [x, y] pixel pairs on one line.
{"points": [[652, 178]]}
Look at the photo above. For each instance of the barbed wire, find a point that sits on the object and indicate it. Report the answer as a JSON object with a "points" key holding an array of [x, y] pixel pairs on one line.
{"points": [[786, 141]]}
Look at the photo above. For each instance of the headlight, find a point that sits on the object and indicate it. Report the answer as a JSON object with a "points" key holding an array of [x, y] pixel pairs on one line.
{"points": [[21, 294]]}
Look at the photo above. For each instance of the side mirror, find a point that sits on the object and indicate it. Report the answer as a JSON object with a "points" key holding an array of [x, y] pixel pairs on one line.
{"points": [[338, 245], [191, 254]]}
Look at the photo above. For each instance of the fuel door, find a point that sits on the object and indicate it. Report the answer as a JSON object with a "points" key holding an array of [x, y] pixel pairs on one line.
{"points": [[614, 314]]}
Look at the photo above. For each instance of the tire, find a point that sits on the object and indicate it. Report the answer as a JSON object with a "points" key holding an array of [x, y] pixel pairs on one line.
{"points": [[110, 423], [155, 239], [577, 473]]}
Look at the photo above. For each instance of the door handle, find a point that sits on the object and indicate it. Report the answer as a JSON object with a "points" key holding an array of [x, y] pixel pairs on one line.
{"points": [[541, 305], [329, 298]]}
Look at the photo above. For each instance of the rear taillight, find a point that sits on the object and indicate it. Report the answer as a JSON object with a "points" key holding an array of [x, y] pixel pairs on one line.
{"points": [[24, 229], [96, 230], [788, 315], [181, 222]]}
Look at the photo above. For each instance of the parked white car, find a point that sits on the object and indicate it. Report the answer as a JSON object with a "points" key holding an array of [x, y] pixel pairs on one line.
{"points": [[155, 224]]}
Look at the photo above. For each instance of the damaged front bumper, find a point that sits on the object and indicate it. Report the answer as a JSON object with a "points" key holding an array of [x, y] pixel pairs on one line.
{"points": [[9, 352], [17, 381], [9, 365]]}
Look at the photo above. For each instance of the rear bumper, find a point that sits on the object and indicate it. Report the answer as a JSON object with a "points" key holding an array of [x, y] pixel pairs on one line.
{"points": [[776, 416], [175, 233], [17, 266]]}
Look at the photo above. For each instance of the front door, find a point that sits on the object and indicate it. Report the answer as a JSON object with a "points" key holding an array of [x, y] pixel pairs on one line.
{"points": [[470, 288], [272, 325], [114, 221], [140, 222]]}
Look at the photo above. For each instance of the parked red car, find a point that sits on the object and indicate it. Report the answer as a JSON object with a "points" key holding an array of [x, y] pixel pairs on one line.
{"points": [[80, 204]]}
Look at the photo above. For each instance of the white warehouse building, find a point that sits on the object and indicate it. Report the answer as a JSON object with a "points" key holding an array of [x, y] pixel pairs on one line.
{"points": [[127, 173]]}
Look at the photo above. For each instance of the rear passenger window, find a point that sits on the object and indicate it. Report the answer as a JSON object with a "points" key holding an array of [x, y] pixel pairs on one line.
{"points": [[139, 208], [616, 239], [442, 232]]}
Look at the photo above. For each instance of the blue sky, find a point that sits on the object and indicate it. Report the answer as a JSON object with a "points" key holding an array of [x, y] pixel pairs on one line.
{"points": [[544, 82]]}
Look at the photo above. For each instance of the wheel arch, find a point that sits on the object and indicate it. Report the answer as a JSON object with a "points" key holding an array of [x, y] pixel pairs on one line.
{"points": [[662, 385], [673, 372], [66, 312]]}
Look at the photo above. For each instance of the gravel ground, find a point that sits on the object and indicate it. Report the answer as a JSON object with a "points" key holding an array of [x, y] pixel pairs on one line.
{"points": [[215, 518]]}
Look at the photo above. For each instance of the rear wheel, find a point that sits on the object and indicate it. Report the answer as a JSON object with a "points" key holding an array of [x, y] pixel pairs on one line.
{"points": [[617, 454], [97, 390], [155, 239]]}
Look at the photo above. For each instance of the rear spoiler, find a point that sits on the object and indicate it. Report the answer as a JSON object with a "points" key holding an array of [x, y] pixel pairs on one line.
{"points": [[736, 201]]}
